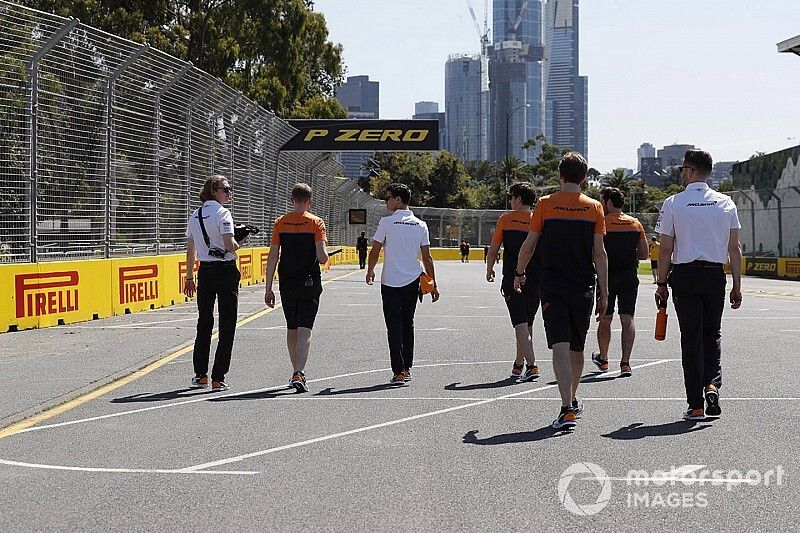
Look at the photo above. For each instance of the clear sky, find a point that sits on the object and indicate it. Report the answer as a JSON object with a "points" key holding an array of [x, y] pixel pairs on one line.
{"points": [[703, 72]]}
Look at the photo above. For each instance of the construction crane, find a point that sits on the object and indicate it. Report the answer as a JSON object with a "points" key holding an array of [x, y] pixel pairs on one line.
{"points": [[512, 31], [483, 120]]}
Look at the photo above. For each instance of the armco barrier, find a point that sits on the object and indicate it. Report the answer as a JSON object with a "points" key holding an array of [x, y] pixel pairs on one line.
{"points": [[789, 268]]}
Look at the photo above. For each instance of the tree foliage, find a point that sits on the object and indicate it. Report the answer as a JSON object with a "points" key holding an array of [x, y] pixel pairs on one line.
{"points": [[276, 52]]}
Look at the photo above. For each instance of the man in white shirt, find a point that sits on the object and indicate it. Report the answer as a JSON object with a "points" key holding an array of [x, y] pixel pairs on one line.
{"points": [[699, 230], [403, 236], [217, 278]]}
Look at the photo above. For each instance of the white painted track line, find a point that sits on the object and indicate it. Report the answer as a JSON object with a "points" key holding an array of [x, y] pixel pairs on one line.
{"points": [[239, 458], [126, 470]]}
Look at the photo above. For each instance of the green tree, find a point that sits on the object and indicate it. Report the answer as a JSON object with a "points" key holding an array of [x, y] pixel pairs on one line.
{"points": [[618, 179], [275, 51]]}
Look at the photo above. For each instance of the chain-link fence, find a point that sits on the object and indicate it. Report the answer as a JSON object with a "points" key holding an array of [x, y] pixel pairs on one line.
{"points": [[105, 143]]}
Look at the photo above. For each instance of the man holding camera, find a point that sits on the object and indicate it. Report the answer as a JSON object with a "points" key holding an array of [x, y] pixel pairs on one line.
{"points": [[210, 237], [297, 250]]}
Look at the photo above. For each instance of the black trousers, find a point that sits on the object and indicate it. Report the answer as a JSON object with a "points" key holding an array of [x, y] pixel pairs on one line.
{"points": [[698, 292], [216, 281], [399, 305], [362, 258]]}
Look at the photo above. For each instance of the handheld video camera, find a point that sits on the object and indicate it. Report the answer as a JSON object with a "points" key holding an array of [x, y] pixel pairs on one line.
{"points": [[242, 231], [219, 253]]}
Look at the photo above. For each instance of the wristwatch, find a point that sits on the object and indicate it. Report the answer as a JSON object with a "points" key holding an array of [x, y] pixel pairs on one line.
{"points": [[518, 275]]}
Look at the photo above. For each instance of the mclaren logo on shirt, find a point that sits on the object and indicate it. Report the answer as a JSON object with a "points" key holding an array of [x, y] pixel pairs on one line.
{"points": [[570, 209], [364, 135], [701, 204]]}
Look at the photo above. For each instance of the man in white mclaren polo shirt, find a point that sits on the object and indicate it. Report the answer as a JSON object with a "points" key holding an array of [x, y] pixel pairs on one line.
{"points": [[403, 237]]}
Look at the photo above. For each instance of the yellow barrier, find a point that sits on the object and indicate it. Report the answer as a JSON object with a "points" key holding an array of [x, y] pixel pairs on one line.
{"points": [[454, 254], [46, 294], [789, 268]]}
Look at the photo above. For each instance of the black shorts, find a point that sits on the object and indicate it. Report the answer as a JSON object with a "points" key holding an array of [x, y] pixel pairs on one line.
{"points": [[654, 264], [299, 308], [567, 312], [522, 306], [625, 289]]}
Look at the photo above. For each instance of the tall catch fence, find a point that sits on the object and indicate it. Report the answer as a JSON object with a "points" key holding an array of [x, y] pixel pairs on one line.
{"points": [[105, 143]]}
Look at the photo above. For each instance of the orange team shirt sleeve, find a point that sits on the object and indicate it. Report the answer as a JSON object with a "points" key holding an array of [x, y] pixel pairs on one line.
{"points": [[600, 220], [642, 234], [276, 233], [497, 238], [537, 220], [319, 233]]}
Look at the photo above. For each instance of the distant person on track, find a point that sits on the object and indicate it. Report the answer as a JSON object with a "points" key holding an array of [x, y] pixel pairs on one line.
{"points": [[403, 237], [361, 248], [626, 244], [567, 228], [653, 252], [297, 250], [209, 235], [510, 232], [699, 230], [464, 248]]}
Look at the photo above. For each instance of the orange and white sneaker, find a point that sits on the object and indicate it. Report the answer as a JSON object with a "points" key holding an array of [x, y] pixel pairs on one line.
{"points": [[407, 375], [516, 370], [398, 379], [694, 414], [625, 369], [298, 381], [218, 386], [200, 381], [602, 364], [566, 419]]}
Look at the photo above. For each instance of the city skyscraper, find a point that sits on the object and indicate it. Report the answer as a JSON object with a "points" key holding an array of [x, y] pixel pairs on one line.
{"points": [[566, 93], [506, 14], [672, 155], [507, 90], [361, 98], [462, 107], [645, 150], [430, 111]]}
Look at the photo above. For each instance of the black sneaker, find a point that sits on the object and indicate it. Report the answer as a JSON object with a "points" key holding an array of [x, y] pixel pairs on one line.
{"points": [[566, 419], [299, 382], [577, 407], [712, 403]]}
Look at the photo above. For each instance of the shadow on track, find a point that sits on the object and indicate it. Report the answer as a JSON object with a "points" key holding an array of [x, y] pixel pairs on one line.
{"points": [[546, 432], [505, 382], [260, 395], [640, 431], [330, 391], [163, 396]]}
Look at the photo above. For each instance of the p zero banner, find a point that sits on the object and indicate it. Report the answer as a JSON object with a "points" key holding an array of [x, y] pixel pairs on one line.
{"points": [[789, 268], [766, 267], [345, 135]]}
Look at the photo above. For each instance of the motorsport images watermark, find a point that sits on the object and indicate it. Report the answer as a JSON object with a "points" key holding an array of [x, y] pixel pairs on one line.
{"points": [[679, 487]]}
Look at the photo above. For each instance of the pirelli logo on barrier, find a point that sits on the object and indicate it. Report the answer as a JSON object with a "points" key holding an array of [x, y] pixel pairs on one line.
{"points": [[263, 257], [364, 135], [761, 266], [138, 284], [48, 293], [792, 268], [182, 270], [246, 266]]}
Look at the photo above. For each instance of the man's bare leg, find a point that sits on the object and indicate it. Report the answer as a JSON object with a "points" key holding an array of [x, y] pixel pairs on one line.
{"points": [[563, 368], [628, 336]]}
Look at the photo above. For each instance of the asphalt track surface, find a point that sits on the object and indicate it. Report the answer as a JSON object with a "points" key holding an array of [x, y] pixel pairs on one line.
{"points": [[462, 448]]}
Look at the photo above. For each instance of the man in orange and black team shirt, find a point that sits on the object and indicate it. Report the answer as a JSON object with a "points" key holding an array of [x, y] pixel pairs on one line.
{"points": [[626, 244], [510, 232], [297, 248], [567, 229]]}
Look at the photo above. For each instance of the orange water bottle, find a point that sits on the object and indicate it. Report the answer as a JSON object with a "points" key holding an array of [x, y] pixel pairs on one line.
{"points": [[661, 324]]}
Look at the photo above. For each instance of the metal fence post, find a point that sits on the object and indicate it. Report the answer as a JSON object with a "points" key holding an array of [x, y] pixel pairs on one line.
{"points": [[220, 113], [110, 85], [780, 222], [33, 125]]}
